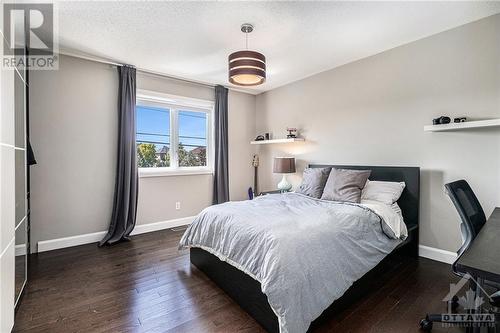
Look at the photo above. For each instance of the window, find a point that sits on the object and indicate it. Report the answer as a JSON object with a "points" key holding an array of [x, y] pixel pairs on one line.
{"points": [[192, 149], [173, 135], [153, 136]]}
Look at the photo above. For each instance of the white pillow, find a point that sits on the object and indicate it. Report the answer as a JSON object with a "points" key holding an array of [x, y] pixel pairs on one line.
{"points": [[392, 218], [386, 192], [395, 207]]}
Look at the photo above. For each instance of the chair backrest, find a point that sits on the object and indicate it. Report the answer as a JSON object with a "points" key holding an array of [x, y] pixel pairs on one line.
{"points": [[470, 212]]}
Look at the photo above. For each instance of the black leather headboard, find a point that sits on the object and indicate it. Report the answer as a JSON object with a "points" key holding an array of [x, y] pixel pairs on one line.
{"points": [[410, 199]]}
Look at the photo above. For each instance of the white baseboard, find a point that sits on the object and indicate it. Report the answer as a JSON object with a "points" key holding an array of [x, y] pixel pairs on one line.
{"points": [[143, 228], [436, 254], [60, 243]]}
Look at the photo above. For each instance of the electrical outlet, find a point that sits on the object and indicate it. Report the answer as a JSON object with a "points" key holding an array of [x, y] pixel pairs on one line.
{"points": [[177, 205]]}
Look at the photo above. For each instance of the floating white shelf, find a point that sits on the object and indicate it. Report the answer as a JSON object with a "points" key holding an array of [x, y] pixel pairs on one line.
{"points": [[266, 142], [462, 126]]}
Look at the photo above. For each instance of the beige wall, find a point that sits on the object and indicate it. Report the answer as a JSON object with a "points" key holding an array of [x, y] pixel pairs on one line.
{"points": [[74, 130], [372, 112], [241, 131], [74, 137]]}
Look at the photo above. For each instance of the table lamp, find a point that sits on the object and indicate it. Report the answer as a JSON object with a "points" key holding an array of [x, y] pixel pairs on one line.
{"points": [[284, 165]]}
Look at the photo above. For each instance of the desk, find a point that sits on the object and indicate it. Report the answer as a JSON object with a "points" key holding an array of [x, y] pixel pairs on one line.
{"points": [[482, 259]]}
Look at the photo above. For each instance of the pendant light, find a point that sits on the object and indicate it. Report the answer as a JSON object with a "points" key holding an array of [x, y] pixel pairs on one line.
{"points": [[247, 68]]}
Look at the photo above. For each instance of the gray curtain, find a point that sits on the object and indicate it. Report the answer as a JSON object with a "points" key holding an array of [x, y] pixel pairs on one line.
{"points": [[125, 199], [221, 174]]}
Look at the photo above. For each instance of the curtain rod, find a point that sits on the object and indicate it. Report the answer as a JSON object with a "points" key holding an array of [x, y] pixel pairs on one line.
{"points": [[142, 70]]}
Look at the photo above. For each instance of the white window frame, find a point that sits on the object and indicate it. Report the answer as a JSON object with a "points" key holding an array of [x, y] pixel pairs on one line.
{"points": [[175, 104]]}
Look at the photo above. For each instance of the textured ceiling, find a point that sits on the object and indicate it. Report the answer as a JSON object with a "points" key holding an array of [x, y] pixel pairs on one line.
{"points": [[192, 40]]}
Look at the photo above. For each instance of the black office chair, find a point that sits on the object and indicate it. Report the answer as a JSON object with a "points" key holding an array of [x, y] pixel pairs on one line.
{"points": [[473, 219], [470, 211]]}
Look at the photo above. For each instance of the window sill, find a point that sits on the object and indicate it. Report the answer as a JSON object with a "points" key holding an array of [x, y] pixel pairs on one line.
{"points": [[160, 172]]}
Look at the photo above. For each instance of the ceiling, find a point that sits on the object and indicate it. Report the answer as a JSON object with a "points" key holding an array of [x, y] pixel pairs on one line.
{"points": [[192, 40]]}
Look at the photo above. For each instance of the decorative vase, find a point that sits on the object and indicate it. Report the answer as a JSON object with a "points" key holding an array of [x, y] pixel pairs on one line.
{"points": [[284, 185]]}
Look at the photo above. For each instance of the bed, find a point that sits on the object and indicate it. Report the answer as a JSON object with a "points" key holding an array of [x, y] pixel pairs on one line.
{"points": [[287, 285]]}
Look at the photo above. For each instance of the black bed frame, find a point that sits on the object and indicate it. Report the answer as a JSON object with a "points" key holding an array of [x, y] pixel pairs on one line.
{"points": [[247, 292]]}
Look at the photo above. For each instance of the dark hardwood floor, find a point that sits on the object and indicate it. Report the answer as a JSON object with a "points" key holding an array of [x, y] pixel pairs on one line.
{"points": [[147, 285]]}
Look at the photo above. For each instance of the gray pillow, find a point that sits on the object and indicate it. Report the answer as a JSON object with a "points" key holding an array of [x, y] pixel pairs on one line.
{"points": [[313, 182], [345, 185]]}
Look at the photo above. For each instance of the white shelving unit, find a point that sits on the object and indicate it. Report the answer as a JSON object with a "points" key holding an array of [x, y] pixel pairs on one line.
{"points": [[267, 142], [463, 126]]}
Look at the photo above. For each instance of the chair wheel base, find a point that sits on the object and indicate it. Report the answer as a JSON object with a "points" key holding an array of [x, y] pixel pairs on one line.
{"points": [[426, 325]]}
